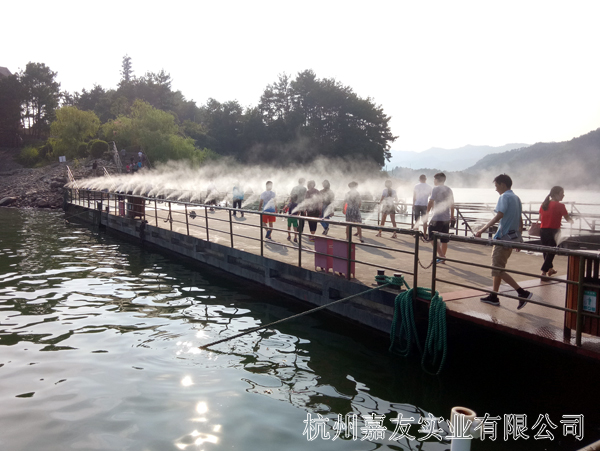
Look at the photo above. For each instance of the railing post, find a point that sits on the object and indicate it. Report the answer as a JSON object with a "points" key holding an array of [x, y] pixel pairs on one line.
{"points": [[156, 212], [261, 236], [187, 223], [230, 228], [579, 324], [206, 220], [416, 262], [299, 249], [433, 264], [349, 252]]}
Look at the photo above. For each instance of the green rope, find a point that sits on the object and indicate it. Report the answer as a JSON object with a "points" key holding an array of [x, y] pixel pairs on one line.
{"points": [[436, 343]]}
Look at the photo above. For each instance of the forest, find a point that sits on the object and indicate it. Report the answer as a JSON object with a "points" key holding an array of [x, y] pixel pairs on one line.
{"points": [[297, 119]]}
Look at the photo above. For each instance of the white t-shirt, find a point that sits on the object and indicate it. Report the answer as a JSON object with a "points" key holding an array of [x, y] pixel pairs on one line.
{"points": [[268, 198], [422, 192], [389, 199]]}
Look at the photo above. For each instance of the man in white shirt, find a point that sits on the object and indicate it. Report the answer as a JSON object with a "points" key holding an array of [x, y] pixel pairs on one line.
{"points": [[441, 204], [421, 194]]}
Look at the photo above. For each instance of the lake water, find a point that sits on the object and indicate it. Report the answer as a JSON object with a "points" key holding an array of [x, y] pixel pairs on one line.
{"points": [[99, 351]]}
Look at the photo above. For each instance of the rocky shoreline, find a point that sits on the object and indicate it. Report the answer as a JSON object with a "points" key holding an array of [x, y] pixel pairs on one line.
{"points": [[36, 187]]}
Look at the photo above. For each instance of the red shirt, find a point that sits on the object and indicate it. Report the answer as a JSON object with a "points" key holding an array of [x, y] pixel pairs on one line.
{"points": [[552, 217]]}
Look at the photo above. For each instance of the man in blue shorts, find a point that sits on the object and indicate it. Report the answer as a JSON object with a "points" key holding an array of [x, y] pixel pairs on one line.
{"points": [[510, 224]]}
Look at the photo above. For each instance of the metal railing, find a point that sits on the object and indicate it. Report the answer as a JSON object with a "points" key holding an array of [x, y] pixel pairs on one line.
{"points": [[580, 283], [197, 220], [472, 216]]}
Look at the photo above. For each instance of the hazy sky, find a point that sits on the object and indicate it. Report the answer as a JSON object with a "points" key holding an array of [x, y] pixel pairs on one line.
{"points": [[449, 73]]}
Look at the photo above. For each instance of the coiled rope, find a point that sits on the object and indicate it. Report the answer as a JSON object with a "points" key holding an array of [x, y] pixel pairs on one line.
{"points": [[433, 355]]}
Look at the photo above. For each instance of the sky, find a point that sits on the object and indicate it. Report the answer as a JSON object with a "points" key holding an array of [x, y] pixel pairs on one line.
{"points": [[448, 73]]}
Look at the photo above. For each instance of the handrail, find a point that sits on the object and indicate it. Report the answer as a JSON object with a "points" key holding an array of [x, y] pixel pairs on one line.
{"points": [[72, 177], [580, 283], [117, 158], [172, 218]]}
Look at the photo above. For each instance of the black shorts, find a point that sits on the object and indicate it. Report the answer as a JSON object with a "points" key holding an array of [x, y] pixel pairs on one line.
{"points": [[441, 227], [420, 211]]}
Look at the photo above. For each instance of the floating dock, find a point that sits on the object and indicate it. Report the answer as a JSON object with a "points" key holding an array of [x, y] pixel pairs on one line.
{"points": [[333, 267]]}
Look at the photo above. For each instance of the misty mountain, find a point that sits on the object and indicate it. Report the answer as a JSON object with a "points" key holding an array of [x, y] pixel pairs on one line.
{"points": [[571, 164], [446, 159]]}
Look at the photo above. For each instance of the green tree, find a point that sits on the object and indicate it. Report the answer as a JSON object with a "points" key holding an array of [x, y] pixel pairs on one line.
{"points": [[224, 122], [97, 100], [313, 117], [41, 97], [97, 148], [151, 130], [72, 127]]}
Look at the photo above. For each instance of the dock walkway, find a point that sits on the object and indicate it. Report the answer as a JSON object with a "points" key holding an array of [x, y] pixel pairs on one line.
{"points": [[397, 255]]}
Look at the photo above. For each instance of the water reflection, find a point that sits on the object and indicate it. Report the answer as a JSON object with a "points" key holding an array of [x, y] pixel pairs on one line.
{"points": [[125, 371]]}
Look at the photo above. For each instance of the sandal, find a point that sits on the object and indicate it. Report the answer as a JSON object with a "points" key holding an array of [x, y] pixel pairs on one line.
{"points": [[379, 234], [552, 271], [394, 235]]}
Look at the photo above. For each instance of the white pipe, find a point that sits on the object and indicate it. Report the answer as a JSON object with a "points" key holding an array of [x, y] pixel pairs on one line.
{"points": [[460, 417]]}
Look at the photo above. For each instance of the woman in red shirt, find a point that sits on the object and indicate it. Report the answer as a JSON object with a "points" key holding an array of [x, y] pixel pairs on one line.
{"points": [[551, 214]]}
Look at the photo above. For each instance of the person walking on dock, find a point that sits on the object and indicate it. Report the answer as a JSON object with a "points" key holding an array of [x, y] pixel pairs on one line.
{"points": [[388, 206], [292, 210], [299, 191], [551, 213], [421, 193], [238, 197], [510, 225], [441, 204], [352, 210], [327, 197], [312, 207], [267, 204]]}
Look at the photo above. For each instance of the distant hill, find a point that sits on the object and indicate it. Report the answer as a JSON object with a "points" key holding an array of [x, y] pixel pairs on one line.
{"points": [[571, 164], [446, 159]]}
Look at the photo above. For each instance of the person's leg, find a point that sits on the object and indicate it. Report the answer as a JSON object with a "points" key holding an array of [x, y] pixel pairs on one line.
{"points": [[383, 217], [548, 238], [270, 228], [442, 249], [393, 219]]}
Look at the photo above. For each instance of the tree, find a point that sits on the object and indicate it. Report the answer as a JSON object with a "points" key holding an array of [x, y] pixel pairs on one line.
{"points": [[153, 131], [224, 124], [97, 100], [126, 71], [315, 117], [41, 96], [72, 127], [11, 100]]}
